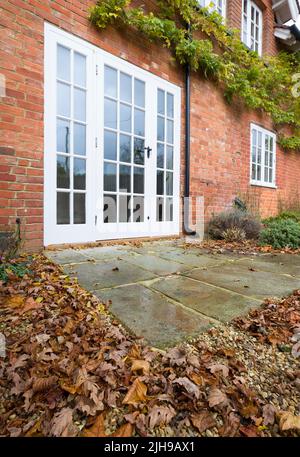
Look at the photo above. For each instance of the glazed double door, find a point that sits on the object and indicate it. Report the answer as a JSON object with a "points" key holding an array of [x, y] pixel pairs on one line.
{"points": [[112, 142]]}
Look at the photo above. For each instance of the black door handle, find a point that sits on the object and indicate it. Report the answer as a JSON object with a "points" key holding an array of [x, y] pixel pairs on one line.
{"points": [[149, 150]]}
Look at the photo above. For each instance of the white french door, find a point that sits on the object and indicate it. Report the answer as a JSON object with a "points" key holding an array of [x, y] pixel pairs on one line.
{"points": [[112, 145]]}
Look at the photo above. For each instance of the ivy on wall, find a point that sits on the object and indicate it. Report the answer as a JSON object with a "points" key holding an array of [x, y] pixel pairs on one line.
{"points": [[264, 83]]}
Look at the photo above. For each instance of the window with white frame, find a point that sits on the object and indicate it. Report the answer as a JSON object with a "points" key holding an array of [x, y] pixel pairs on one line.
{"points": [[216, 5], [252, 26], [263, 156]]}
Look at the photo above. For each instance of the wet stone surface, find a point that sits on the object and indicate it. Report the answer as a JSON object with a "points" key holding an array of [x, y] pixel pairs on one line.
{"points": [[167, 293]]}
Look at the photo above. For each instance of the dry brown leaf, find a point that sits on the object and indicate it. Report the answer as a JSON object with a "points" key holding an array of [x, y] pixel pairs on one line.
{"points": [[216, 397], [203, 421], [288, 421], [140, 365], [43, 384], [136, 394], [269, 414], [29, 305], [217, 367], [15, 301], [97, 430], [189, 386], [160, 415], [125, 431], [250, 431], [62, 424], [196, 378], [249, 410]]}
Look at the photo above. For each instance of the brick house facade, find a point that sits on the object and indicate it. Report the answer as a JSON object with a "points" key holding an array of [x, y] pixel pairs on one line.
{"points": [[220, 134]]}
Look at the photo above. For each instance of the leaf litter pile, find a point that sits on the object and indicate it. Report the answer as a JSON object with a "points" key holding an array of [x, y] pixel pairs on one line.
{"points": [[71, 370]]}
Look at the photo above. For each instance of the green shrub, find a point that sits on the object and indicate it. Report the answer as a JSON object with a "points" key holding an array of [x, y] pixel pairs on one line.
{"points": [[234, 219], [280, 234], [294, 215]]}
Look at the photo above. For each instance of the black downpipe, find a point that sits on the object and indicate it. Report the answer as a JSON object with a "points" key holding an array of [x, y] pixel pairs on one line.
{"points": [[187, 229]]}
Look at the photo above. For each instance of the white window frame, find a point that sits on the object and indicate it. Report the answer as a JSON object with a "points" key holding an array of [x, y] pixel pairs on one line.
{"points": [[246, 17], [265, 133], [219, 6]]}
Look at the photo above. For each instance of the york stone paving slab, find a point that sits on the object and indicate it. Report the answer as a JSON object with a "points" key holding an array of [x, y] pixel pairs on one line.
{"points": [[280, 264], [167, 292], [208, 300], [107, 274], [151, 315], [239, 278], [157, 265]]}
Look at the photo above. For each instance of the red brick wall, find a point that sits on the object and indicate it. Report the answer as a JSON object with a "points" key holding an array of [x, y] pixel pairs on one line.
{"points": [[220, 134]]}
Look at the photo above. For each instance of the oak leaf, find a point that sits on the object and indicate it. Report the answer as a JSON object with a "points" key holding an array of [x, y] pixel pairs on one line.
{"points": [[43, 384], [62, 424]]}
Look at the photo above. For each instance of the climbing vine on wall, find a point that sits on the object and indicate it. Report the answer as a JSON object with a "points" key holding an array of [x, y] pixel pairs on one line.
{"points": [[210, 47]]}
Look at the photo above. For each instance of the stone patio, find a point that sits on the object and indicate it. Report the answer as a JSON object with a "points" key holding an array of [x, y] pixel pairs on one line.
{"points": [[167, 293]]}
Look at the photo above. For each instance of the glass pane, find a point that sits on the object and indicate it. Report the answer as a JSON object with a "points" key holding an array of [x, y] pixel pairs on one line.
{"points": [[253, 154], [110, 145], [139, 122], [63, 208], [125, 148], [266, 174], [258, 175], [63, 136], [169, 183], [124, 208], [253, 175], [79, 69], [125, 178], [160, 155], [170, 105], [80, 105], [160, 182], [110, 177], [110, 114], [259, 136], [266, 158], [170, 130], [160, 102], [63, 100], [169, 209], [79, 139], [270, 175], [79, 208], [125, 118], [139, 151], [160, 209], [63, 172], [125, 88], [139, 93], [63, 63], [254, 137], [138, 209], [138, 181], [258, 155], [79, 172], [110, 82], [161, 129], [271, 143], [169, 158], [109, 209]]}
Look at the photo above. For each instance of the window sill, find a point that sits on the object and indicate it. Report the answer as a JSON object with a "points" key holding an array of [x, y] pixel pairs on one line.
{"points": [[260, 184]]}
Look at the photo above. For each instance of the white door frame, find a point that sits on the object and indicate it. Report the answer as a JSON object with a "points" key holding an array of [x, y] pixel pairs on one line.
{"points": [[94, 229]]}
